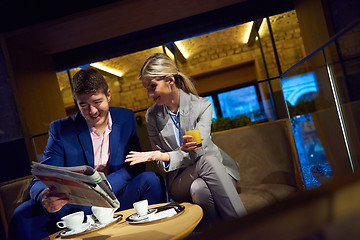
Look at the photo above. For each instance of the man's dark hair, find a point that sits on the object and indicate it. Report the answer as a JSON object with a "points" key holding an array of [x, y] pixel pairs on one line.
{"points": [[88, 80]]}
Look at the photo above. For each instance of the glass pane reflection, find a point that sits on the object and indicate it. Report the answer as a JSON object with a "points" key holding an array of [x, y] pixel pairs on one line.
{"points": [[299, 93], [213, 108], [240, 101]]}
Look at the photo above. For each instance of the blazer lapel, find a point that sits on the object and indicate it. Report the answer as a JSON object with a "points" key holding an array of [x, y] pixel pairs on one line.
{"points": [[165, 126], [85, 139], [185, 112], [114, 138]]}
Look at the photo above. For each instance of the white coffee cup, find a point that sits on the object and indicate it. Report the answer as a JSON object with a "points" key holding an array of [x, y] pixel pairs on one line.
{"points": [[103, 215], [141, 207], [72, 221]]}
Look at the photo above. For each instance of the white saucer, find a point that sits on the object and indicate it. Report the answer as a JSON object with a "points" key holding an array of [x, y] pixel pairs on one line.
{"points": [[69, 232], [99, 225], [135, 217]]}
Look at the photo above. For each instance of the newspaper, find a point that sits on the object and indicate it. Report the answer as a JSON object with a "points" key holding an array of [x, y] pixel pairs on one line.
{"points": [[82, 184]]}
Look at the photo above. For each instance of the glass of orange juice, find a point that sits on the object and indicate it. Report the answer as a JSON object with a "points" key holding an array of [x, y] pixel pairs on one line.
{"points": [[195, 137]]}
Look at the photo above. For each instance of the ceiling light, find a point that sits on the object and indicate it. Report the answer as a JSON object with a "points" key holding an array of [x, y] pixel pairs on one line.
{"points": [[263, 28], [107, 69], [181, 48], [169, 53], [247, 31]]}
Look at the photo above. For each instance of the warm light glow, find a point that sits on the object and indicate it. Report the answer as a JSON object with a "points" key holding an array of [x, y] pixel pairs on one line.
{"points": [[181, 48], [263, 28], [169, 53], [247, 31], [107, 69]]}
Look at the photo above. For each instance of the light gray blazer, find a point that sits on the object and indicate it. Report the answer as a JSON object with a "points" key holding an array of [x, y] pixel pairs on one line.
{"points": [[195, 112]]}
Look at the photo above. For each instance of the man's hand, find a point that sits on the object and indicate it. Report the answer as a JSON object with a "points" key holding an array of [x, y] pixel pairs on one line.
{"points": [[52, 200]]}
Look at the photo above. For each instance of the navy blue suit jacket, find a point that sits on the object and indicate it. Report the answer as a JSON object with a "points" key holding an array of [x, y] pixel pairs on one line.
{"points": [[70, 144]]}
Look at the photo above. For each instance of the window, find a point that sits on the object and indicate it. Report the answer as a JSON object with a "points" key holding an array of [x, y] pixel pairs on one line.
{"points": [[243, 100], [240, 101], [213, 108]]}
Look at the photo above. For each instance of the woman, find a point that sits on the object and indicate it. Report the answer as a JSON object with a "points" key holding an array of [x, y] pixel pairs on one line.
{"points": [[206, 176]]}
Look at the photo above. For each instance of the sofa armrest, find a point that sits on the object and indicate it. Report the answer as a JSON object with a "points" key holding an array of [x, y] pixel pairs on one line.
{"points": [[12, 194]]}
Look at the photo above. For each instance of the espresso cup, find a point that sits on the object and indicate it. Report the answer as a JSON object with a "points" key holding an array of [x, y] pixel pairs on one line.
{"points": [[141, 207], [72, 221], [103, 215], [195, 137]]}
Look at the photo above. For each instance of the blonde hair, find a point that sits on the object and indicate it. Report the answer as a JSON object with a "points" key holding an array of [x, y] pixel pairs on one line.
{"points": [[160, 67]]}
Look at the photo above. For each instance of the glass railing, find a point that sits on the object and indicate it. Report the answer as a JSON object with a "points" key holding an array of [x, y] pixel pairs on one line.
{"points": [[322, 93]]}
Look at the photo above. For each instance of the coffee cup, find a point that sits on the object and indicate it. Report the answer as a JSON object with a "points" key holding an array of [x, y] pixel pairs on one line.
{"points": [[72, 221], [195, 137], [104, 215], [141, 207]]}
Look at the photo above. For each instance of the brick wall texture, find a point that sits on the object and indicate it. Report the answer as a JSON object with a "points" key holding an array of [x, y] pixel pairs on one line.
{"points": [[128, 91]]}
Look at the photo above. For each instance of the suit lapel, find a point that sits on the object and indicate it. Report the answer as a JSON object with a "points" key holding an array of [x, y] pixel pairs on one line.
{"points": [[114, 138], [165, 126], [185, 112], [84, 138]]}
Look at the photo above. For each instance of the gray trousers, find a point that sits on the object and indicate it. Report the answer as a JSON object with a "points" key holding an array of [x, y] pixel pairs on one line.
{"points": [[207, 184]]}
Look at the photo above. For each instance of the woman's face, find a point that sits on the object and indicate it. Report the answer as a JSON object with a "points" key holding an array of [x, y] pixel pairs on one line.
{"points": [[159, 90]]}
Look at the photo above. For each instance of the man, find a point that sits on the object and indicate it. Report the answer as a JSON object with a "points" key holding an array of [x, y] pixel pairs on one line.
{"points": [[99, 136]]}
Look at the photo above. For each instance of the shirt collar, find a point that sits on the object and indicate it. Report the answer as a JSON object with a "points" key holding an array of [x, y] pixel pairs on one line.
{"points": [[169, 112], [94, 130]]}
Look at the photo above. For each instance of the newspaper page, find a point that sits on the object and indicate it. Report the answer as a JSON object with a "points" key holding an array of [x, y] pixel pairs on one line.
{"points": [[82, 184]]}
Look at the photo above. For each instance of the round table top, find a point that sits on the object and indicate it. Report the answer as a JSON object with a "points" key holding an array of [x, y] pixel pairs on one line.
{"points": [[176, 227]]}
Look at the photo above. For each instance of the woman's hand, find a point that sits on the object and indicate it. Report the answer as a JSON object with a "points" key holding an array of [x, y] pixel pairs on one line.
{"points": [[52, 200], [188, 145], [139, 157]]}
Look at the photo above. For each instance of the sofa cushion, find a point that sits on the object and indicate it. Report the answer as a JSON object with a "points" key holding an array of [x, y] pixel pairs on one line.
{"points": [[265, 153], [267, 159], [262, 195]]}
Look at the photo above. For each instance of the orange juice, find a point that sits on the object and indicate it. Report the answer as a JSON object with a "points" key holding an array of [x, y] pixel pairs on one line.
{"points": [[195, 136]]}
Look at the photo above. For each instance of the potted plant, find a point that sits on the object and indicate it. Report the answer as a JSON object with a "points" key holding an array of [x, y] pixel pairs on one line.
{"points": [[221, 124]]}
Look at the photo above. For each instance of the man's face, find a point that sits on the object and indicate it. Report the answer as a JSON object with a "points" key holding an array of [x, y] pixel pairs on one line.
{"points": [[95, 108]]}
